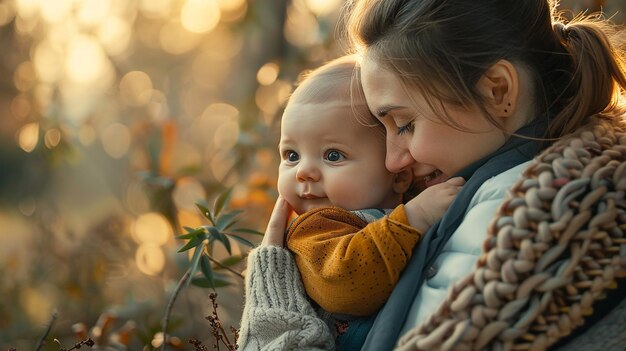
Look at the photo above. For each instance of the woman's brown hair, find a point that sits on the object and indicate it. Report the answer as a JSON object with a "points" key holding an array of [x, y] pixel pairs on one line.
{"points": [[443, 47]]}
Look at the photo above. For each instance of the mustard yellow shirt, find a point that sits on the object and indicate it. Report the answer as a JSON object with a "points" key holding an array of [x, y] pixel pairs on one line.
{"points": [[347, 265]]}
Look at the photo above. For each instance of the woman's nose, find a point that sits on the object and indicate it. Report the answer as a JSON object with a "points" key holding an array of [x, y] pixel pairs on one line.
{"points": [[308, 172], [397, 158]]}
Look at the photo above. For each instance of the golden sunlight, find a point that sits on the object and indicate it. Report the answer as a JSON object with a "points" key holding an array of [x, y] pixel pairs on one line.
{"points": [[301, 28], [231, 5], [155, 8], [86, 61], [114, 34], [323, 7], [93, 12], [175, 39], [47, 60], [200, 16]]}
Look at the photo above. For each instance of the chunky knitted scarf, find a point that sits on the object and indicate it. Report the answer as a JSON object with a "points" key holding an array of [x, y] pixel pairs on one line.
{"points": [[556, 246]]}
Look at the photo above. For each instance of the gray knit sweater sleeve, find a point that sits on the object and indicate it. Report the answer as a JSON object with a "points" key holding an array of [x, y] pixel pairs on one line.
{"points": [[277, 314]]}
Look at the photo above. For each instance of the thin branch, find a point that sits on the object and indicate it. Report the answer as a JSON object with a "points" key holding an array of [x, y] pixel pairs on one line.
{"points": [[48, 329], [224, 266], [170, 304]]}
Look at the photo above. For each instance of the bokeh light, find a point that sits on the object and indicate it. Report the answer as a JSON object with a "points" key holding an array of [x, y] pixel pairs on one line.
{"points": [[38, 302], [93, 12], [52, 137], [155, 8], [231, 5], [24, 76], [270, 98], [136, 198], [116, 140], [55, 11], [28, 136], [323, 7], [200, 16], [187, 193], [136, 88], [176, 39], [267, 74], [86, 134], [151, 228], [150, 259], [47, 60], [301, 26], [115, 35], [86, 61]]}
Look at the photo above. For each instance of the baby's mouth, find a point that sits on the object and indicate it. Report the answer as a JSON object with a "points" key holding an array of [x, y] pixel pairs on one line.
{"points": [[434, 178]]}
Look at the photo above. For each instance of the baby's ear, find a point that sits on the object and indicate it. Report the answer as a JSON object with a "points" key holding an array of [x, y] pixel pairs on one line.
{"points": [[402, 181]]}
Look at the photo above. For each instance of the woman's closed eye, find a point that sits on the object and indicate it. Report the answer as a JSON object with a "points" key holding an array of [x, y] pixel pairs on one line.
{"points": [[334, 156], [407, 128]]}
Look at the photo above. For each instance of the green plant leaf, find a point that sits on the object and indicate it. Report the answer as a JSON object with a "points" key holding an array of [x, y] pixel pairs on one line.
{"points": [[192, 233], [194, 242], [205, 211], [197, 254], [240, 239], [207, 271], [217, 235], [227, 220], [248, 231], [230, 261], [221, 201], [204, 283]]}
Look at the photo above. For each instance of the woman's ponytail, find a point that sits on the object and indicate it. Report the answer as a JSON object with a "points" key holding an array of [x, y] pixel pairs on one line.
{"points": [[597, 74]]}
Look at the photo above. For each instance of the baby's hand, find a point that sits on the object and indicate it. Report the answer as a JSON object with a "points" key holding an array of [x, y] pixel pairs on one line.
{"points": [[427, 207], [275, 232]]}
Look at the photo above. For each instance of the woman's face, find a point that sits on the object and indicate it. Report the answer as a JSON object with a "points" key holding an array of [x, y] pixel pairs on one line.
{"points": [[417, 136]]}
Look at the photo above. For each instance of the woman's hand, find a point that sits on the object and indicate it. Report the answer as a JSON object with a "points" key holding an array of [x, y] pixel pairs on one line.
{"points": [[275, 232]]}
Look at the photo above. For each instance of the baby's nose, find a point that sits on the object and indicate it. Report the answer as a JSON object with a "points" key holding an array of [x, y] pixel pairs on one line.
{"points": [[308, 172]]}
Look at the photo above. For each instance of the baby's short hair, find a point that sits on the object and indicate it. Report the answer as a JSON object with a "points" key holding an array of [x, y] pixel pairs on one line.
{"points": [[335, 80]]}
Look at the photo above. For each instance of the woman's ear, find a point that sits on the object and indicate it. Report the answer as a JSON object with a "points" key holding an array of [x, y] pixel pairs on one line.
{"points": [[500, 86], [402, 181]]}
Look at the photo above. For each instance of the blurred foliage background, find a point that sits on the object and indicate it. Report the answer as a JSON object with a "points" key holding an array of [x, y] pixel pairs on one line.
{"points": [[116, 117]]}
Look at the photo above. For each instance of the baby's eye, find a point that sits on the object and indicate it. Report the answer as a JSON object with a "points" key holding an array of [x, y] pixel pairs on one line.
{"points": [[292, 156], [334, 156]]}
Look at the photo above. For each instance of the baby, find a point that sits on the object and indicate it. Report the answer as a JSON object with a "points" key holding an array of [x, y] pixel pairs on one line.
{"points": [[353, 236]]}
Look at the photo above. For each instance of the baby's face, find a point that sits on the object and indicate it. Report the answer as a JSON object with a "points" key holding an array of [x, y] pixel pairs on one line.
{"points": [[328, 158]]}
